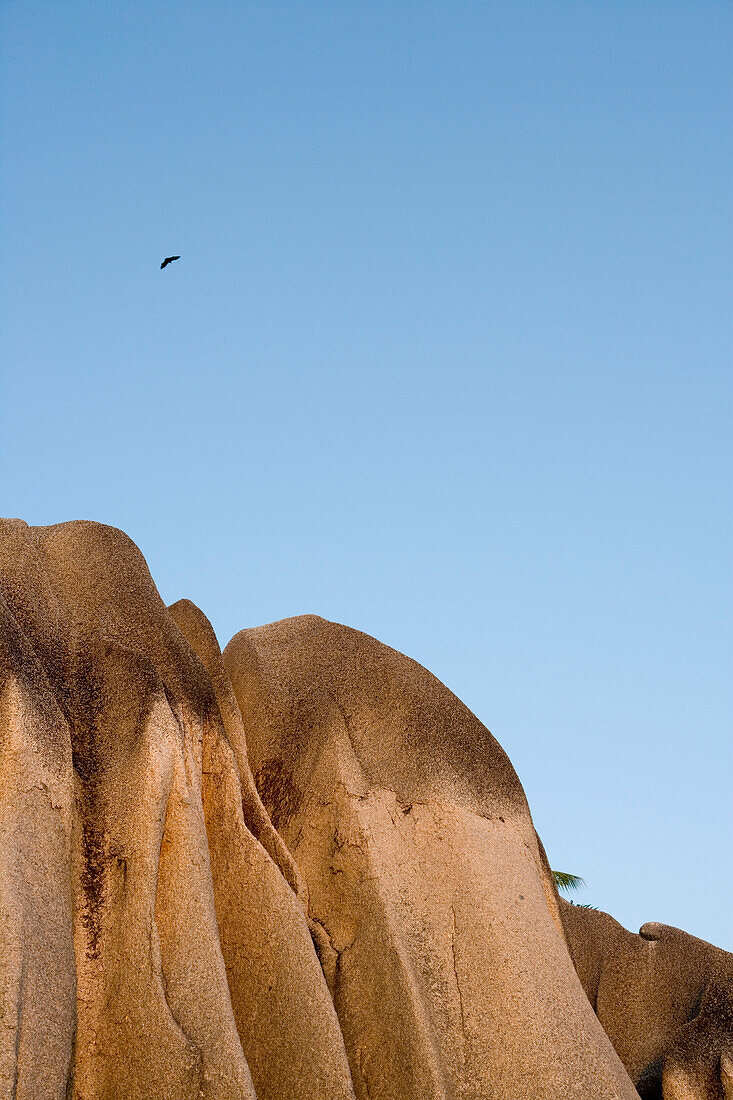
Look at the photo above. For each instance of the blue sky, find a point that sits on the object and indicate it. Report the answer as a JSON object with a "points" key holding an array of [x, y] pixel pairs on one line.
{"points": [[447, 357]]}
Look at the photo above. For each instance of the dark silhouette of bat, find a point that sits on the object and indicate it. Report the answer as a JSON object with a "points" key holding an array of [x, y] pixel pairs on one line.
{"points": [[169, 260]]}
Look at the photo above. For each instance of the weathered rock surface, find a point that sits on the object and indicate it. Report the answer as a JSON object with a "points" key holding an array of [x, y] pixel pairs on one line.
{"points": [[665, 1000], [125, 973], [446, 958], [286, 1021], [301, 871]]}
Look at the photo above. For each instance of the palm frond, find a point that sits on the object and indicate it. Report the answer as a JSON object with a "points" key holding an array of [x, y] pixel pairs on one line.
{"points": [[567, 883]]}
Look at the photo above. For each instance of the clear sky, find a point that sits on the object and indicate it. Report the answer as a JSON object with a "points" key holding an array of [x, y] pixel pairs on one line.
{"points": [[446, 357]]}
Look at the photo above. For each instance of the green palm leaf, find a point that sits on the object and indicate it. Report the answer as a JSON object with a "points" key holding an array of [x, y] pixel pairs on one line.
{"points": [[567, 883]]}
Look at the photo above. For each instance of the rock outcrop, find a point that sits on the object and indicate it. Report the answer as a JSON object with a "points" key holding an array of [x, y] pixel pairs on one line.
{"points": [[665, 1000], [152, 947], [300, 871], [445, 954]]}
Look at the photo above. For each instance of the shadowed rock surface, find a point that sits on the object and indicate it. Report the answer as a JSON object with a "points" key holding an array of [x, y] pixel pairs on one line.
{"points": [[303, 871], [665, 1000]]}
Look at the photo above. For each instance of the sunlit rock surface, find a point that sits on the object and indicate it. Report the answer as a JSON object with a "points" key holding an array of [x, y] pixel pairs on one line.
{"points": [[152, 947], [303, 871], [446, 959], [665, 999]]}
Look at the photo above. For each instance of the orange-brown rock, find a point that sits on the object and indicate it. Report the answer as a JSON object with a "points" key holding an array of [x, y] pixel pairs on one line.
{"points": [[152, 948], [301, 871], [445, 956], [665, 1000], [281, 1004]]}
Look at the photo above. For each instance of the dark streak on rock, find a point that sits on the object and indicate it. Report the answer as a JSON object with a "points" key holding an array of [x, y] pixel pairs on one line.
{"points": [[280, 794], [85, 706]]}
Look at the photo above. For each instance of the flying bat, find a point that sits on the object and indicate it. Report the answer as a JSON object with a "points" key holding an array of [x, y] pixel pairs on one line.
{"points": [[169, 260]]}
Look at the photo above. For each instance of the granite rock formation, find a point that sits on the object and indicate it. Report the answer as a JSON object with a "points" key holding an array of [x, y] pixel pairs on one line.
{"points": [[665, 1000], [298, 871], [153, 945], [413, 835]]}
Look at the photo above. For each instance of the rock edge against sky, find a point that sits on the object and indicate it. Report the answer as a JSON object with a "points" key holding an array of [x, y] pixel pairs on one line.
{"points": [[300, 870]]}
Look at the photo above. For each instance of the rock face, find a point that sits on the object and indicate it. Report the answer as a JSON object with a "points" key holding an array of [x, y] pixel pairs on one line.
{"points": [[303, 871], [665, 999], [152, 948], [445, 953]]}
